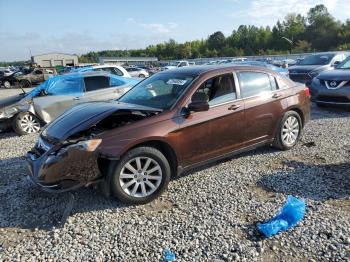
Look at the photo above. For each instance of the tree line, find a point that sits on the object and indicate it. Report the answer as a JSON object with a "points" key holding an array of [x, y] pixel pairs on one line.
{"points": [[317, 31]]}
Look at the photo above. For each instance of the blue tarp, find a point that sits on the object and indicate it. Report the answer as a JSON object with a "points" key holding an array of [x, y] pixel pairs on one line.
{"points": [[291, 213], [73, 84]]}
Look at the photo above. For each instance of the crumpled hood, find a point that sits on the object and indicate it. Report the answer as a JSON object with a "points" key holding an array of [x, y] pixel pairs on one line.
{"points": [[10, 100], [84, 116], [336, 75], [305, 68]]}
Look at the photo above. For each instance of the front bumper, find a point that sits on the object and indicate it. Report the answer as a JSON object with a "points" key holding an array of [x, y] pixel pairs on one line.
{"points": [[336, 97], [62, 169]]}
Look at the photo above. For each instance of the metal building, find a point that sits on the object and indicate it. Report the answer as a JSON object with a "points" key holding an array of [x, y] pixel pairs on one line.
{"points": [[127, 60], [55, 59]]}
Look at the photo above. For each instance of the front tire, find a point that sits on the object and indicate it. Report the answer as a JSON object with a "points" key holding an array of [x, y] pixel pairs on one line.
{"points": [[7, 84], [25, 84], [289, 131], [142, 76], [141, 175], [26, 123]]}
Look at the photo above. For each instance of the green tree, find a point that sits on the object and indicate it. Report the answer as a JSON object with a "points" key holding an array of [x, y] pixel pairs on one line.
{"points": [[216, 41], [322, 30]]}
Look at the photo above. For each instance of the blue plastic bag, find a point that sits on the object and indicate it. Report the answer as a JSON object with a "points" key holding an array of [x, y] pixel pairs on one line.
{"points": [[292, 212], [168, 255]]}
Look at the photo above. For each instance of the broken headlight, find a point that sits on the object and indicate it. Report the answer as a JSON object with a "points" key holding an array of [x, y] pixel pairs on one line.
{"points": [[8, 112], [88, 145]]}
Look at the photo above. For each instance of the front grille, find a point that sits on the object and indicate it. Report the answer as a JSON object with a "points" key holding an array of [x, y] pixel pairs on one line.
{"points": [[332, 84], [333, 99]]}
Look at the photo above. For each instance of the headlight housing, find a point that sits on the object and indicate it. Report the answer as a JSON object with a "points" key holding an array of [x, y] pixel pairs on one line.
{"points": [[89, 145], [316, 81]]}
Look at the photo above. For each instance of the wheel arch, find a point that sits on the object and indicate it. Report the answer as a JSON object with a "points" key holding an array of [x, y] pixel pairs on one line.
{"points": [[300, 113], [165, 148]]}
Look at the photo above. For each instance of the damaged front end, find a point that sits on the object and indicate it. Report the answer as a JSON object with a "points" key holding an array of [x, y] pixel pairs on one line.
{"points": [[63, 167], [11, 106], [67, 154]]}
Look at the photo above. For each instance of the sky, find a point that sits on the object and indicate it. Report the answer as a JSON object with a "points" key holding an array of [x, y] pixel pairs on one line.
{"points": [[79, 26]]}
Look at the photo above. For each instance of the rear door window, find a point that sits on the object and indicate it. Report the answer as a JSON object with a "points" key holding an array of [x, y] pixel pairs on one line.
{"points": [[254, 83], [93, 83]]}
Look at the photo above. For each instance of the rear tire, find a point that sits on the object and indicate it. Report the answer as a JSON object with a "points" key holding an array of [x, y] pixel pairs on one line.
{"points": [[26, 123], [25, 84], [140, 176], [142, 76], [289, 131]]}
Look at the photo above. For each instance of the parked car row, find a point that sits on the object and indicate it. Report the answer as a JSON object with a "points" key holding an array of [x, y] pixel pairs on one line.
{"points": [[26, 78], [327, 75], [132, 145]]}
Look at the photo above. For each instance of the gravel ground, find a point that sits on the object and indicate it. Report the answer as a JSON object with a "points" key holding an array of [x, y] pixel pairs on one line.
{"points": [[207, 215]]}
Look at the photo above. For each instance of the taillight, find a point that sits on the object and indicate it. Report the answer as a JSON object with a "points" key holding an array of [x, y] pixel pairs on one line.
{"points": [[307, 92]]}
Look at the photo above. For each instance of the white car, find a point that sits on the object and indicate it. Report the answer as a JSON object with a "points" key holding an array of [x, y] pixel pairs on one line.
{"points": [[137, 72], [7, 72], [113, 69], [176, 64]]}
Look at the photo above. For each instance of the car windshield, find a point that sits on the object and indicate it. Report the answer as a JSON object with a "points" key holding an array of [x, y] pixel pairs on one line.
{"points": [[345, 64], [159, 91], [317, 59]]}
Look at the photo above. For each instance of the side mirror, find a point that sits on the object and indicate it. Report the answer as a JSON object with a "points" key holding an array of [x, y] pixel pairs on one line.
{"points": [[199, 103]]}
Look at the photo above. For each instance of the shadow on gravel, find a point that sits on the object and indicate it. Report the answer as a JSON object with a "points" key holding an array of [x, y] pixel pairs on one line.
{"points": [[316, 182], [259, 151], [328, 112], [7, 134]]}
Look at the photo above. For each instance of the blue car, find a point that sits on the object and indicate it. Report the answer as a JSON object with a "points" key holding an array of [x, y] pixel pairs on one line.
{"points": [[27, 112]]}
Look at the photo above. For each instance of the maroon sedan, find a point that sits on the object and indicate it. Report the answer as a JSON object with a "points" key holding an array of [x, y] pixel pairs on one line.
{"points": [[170, 122]]}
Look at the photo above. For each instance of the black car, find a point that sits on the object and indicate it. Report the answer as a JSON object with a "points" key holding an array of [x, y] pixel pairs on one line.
{"points": [[8, 81], [333, 87], [312, 65]]}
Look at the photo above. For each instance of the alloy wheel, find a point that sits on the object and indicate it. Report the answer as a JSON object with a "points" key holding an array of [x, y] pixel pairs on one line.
{"points": [[290, 130], [140, 177], [29, 124], [7, 84]]}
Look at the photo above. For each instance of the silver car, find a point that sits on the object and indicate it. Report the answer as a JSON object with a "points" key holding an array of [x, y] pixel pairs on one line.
{"points": [[27, 112], [137, 72]]}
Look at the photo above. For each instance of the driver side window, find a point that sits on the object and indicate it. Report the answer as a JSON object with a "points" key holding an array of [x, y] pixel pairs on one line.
{"points": [[219, 89]]}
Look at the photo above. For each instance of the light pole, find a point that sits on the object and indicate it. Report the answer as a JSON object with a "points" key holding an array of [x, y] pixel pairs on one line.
{"points": [[290, 42]]}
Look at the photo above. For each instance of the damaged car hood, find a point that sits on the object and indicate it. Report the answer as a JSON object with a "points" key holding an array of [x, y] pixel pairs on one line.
{"points": [[84, 116], [10, 100]]}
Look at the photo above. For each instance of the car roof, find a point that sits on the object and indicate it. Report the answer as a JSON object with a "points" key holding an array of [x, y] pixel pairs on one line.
{"points": [[104, 66], [202, 69], [90, 73]]}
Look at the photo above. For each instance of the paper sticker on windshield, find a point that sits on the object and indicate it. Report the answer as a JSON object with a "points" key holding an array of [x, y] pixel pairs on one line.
{"points": [[179, 82]]}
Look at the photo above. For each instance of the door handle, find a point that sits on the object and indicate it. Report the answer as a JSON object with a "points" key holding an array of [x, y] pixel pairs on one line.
{"points": [[76, 98], [234, 107], [276, 96]]}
